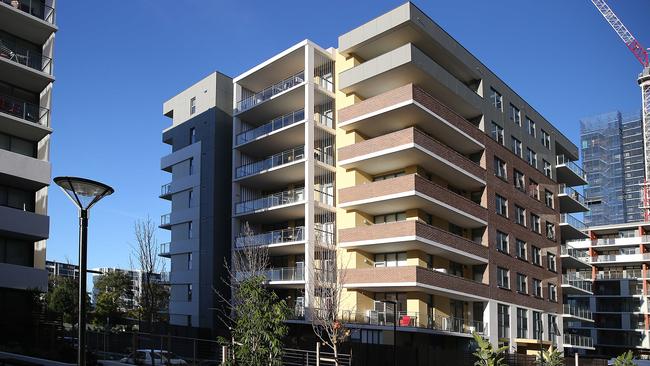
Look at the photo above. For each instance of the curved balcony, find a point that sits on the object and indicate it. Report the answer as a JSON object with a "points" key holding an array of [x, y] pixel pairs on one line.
{"points": [[412, 235], [412, 147], [274, 171], [409, 192]]}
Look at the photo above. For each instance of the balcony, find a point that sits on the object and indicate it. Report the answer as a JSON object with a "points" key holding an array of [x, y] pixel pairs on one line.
{"points": [[165, 277], [286, 276], [22, 277], [578, 341], [569, 172], [25, 171], [24, 224], [166, 221], [30, 19], [288, 92], [280, 242], [410, 106], [409, 192], [415, 279], [274, 171], [23, 119], [630, 241], [412, 235], [571, 200], [280, 133], [280, 206], [619, 274], [407, 320], [572, 228], [412, 147], [166, 191], [576, 285], [574, 258], [30, 70], [621, 258], [577, 313], [165, 250]]}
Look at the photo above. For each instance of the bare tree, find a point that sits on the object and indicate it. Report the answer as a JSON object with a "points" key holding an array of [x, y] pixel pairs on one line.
{"points": [[144, 252], [250, 257], [328, 278]]}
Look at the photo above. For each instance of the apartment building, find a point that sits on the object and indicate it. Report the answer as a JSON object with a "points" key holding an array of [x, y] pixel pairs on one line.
{"points": [[62, 270], [450, 191], [137, 278], [199, 193], [284, 165], [619, 256], [613, 158], [27, 31]]}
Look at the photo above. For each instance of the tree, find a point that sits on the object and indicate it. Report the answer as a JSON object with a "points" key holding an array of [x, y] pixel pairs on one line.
{"points": [[63, 298], [550, 357], [154, 296], [113, 289], [625, 359], [486, 354]]}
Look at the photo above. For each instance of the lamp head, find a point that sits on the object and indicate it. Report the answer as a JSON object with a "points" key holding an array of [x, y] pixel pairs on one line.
{"points": [[84, 193]]}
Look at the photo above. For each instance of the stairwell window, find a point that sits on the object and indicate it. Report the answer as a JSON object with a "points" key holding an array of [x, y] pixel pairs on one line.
{"points": [[503, 278], [189, 292], [192, 135], [190, 230], [192, 106]]}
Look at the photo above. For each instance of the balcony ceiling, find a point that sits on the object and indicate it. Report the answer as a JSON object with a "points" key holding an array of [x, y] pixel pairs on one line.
{"points": [[21, 128], [28, 78], [279, 140], [277, 177], [279, 105], [273, 70], [275, 214], [25, 25], [568, 204]]}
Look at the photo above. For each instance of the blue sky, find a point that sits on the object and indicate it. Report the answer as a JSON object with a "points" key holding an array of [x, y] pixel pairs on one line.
{"points": [[117, 62]]}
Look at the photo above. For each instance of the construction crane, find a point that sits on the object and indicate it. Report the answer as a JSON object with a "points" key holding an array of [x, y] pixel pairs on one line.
{"points": [[641, 54]]}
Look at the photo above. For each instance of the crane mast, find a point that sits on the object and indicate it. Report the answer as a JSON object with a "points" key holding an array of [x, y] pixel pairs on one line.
{"points": [[641, 55]]}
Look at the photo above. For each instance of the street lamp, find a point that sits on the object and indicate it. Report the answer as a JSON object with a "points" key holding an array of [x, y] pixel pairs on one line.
{"points": [[394, 303], [84, 193]]}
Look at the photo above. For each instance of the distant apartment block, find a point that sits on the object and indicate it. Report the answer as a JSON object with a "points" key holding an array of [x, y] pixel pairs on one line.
{"points": [[613, 158], [62, 270], [199, 192], [27, 31], [137, 277]]}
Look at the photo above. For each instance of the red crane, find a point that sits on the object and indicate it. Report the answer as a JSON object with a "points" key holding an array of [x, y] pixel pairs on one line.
{"points": [[639, 52]]}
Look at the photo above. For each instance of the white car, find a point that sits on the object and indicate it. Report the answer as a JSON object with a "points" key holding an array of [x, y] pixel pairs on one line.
{"points": [[143, 357]]}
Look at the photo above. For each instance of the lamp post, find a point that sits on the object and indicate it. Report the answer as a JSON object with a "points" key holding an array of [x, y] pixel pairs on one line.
{"points": [[394, 303], [84, 193]]}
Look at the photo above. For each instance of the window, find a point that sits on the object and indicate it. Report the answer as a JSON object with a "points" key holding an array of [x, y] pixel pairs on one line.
{"points": [[503, 317], [516, 147], [18, 252], [537, 325], [550, 231], [533, 189], [519, 180], [531, 127], [388, 176], [497, 133], [522, 323], [190, 230], [550, 257], [552, 328], [392, 217], [455, 269], [548, 198], [502, 205], [535, 223], [189, 292], [552, 292], [532, 158], [502, 278], [192, 135], [190, 198], [500, 168], [17, 198], [189, 261], [537, 287], [522, 283], [17, 145], [502, 241], [546, 139], [521, 249], [520, 215], [192, 106], [390, 259], [497, 99], [515, 115], [547, 169], [537, 256], [191, 166]]}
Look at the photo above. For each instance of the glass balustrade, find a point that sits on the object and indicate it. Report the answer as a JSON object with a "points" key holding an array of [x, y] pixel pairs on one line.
{"points": [[269, 92]]}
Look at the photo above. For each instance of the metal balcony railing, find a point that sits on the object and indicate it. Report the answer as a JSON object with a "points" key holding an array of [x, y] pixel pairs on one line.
{"points": [[165, 219], [164, 277], [31, 59], [578, 340], [578, 311], [626, 273], [272, 161], [571, 220], [33, 7], [29, 112], [622, 241], [580, 255], [272, 237], [569, 191], [562, 160], [275, 199], [273, 125], [165, 189], [165, 248], [578, 282], [281, 274], [412, 319], [269, 92]]}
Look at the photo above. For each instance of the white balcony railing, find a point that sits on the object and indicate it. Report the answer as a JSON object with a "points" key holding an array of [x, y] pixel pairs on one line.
{"points": [[268, 93]]}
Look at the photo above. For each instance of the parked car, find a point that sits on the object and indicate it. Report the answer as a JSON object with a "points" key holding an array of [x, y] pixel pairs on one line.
{"points": [[160, 357]]}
